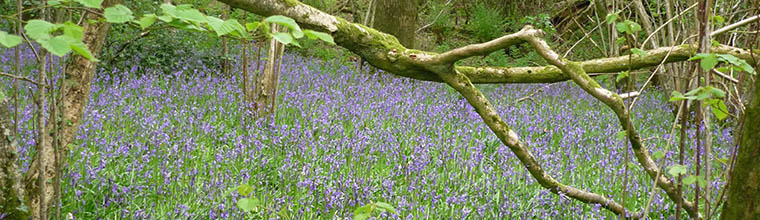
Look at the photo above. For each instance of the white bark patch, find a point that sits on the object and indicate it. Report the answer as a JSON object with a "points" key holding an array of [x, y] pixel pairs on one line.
{"points": [[607, 94], [512, 139]]}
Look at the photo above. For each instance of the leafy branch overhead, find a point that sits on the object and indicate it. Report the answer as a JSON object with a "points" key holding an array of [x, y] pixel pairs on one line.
{"points": [[61, 39]]}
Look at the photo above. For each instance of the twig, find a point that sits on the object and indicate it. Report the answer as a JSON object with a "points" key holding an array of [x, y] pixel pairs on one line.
{"points": [[434, 19], [21, 78], [734, 25]]}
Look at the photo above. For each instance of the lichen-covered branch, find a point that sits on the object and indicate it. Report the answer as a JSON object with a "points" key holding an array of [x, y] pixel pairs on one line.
{"points": [[385, 52], [11, 193], [615, 102]]}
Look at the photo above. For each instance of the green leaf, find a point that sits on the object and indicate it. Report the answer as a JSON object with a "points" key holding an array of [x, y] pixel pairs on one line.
{"points": [[715, 92], [386, 206], [718, 19], [39, 29], [741, 63], [319, 35], [118, 14], [9, 40], [701, 181], [676, 170], [622, 27], [147, 20], [707, 61], [191, 15], [612, 17], [658, 154], [285, 38], [720, 110], [82, 49], [73, 30], [252, 26], [287, 22], [689, 180], [244, 189], [90, 3], [234, 25], [169, 9], [248, 204], [621, 76], [639, 52], [59, 46], [677, 96], [363, 212]]}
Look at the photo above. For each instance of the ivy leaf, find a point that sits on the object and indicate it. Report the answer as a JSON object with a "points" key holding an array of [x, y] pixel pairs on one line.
{"points": [[147, 20], [319, 35], [639, 52], [90, 3], [287, 22], [82, 49], [248, 204], [118, 14], [39, 29], [9, 40], [285, 38]]}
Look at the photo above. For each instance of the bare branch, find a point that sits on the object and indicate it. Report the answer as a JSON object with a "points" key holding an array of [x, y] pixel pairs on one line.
{"points": [[25, 79]]}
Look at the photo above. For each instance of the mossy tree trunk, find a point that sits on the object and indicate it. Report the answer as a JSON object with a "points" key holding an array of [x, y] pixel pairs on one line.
{"points": [[743, 196]]}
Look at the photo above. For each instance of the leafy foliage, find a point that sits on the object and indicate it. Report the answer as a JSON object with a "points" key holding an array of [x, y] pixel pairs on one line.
{"points": [[487, 22]]}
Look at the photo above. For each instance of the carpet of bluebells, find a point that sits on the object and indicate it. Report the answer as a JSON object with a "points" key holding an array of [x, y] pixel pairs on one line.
{"points": [[175, 145]]}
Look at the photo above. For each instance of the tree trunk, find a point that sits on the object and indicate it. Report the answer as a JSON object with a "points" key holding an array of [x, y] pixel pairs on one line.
{"points": [[266, 84], [743, 200], [75, 95], [225, 49], [398, 18], [11, 192]]}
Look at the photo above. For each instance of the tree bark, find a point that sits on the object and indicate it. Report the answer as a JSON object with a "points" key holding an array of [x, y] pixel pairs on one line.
{"points": [[76, 93], [11, 192], [743, 196], [398, 18], [266, 82]]}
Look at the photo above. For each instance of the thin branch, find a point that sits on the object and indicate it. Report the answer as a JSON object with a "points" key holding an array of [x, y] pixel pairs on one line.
{"points": [[25, 79], [434, 19], [734, 25], [480, 49]]}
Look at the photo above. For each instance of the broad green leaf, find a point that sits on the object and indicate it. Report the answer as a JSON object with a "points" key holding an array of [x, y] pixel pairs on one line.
{"points": [[147, 20], [689, 180], [59, 45], [741, 63], [715, 92], [169, 9], [319, 35], [635, 27], [191, 15], [216, 25], [718, 19], [363, 212], [622, 75], [611, 18], [622, 27], [248, 204], [285, 38], [90, 3], [701, 181], [39, 29], [287, 22], [118, 14], [676, 170], [234, 25], [73, 30], [252, 26], [244, 189], [53, 3], [9, 40], [386, 206], [707, 61], [720, 110], [658, 154], [81, 49], [639, 52]]}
